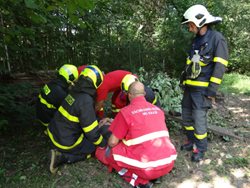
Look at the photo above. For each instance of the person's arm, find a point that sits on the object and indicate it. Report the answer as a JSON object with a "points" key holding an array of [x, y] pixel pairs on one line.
{"points": [[113, 141], [221, 62], [99, 105], [90, 124], [119, 130]]}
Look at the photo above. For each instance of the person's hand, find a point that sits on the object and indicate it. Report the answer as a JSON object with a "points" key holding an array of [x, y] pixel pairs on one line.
{"points": [[99, 105], [213, 101], [105, 121]]}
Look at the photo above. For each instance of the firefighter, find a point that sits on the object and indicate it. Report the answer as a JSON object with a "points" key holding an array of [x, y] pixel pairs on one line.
{"points": [[205, 66], [74, 131], [122, 99], [139, 148], [111, 83], [53, 93]]}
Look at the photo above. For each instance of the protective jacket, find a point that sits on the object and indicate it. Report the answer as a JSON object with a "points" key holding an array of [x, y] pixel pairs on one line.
{"points": [[213, 52], [111, 83], [50, 98], [145, 144], [75, 122]]}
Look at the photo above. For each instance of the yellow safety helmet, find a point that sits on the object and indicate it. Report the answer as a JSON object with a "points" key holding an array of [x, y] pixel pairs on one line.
{"points": [[127, 81], [94, 73], [69, 72]]}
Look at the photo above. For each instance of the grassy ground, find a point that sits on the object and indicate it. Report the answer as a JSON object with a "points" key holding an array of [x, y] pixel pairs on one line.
{"points": [[235, 83], [24, 155], [24, 163]]}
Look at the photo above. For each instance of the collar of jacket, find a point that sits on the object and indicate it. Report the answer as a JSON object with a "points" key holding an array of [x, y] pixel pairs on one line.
{"points": [[61, 82], [138, 99], [84, 85]]}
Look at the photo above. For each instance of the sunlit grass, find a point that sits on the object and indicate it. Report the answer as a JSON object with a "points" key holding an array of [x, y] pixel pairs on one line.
{"points": [[235, 83]]}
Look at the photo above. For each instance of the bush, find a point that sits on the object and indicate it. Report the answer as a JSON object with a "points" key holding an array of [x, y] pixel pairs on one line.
{"points": [[15, 105], [167, 89]]}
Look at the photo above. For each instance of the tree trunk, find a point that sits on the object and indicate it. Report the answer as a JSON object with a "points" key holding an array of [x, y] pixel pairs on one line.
{"points": [[5, 48]]}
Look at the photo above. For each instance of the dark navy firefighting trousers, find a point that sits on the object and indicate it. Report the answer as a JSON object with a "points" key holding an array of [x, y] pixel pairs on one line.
{"points": [[194, 115]]}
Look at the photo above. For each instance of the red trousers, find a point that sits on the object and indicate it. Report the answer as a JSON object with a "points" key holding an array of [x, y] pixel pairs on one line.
{"points": [[132, 176]]}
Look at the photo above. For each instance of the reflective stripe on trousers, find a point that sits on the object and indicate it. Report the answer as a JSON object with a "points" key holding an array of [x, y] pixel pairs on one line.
{"points": [[194, 114]]}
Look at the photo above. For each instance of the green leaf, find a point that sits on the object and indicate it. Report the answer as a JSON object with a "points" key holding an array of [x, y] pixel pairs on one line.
{"points": [[37, 18], [85, 4], [31, 4]]}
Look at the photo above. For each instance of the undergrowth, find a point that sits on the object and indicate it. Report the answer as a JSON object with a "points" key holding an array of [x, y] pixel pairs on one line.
{"points": [[15, 104], [235, 83]]}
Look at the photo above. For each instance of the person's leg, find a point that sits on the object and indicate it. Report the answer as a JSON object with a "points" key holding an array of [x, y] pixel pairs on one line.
{"points": [[59, 156], [187, 121], [104, 131], [200, 107], [105, 156]]}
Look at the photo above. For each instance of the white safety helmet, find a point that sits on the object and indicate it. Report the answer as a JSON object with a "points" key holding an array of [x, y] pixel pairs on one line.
{"points": [[199, 15]]}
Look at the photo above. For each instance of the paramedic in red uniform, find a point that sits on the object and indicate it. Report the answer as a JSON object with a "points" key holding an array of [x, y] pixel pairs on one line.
{"points": [[139, 148], [111, 83]]}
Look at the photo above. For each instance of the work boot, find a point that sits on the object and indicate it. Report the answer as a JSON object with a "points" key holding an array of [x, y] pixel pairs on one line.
{"points": [[187, 147], [148, 185], [157, 180], [197, 156], [56, 158]]}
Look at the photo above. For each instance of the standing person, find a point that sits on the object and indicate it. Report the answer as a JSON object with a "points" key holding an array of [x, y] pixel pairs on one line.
{"points": [[53, 93], [122, 99], [139, 148], [111, 83], [74, 131], [203, 74]]}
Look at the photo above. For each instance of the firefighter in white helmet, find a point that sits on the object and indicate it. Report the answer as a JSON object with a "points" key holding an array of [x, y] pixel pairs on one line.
{"points": [[205, 66]]}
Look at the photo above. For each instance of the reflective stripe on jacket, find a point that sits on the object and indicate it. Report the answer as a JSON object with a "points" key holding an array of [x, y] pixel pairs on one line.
{"points": [[147, 145], [76, 121], [213, 50], [50, 98]]}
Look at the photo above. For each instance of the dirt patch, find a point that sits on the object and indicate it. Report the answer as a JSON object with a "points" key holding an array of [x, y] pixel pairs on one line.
{"points": [[227, 162], [235, 110], [24, 157]]}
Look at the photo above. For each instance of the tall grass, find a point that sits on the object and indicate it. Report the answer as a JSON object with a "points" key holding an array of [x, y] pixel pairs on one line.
{"points": [[235, 83]]}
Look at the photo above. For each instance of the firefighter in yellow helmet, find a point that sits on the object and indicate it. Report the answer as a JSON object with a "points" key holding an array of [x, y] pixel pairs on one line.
{"points": [[122, 99], [205, 66], [74, 131], [53, 93]]}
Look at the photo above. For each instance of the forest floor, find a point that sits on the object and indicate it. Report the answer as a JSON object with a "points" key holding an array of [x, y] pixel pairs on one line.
{"points": [[24, 157]]}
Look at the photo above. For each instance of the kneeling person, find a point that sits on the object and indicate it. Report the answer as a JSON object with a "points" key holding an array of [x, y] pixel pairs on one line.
{"points": [[139, 148], [74, 130]]}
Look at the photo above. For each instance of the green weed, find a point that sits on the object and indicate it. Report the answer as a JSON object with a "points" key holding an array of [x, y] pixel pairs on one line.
{"points": [[235, 83], [237, 162]]}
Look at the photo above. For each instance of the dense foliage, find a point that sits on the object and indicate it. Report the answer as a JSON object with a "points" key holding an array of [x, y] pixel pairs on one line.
{"points": [[114, 34], [16, 104], [166, 89]]}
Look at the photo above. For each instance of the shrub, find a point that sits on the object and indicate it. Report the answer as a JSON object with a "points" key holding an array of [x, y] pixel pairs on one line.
{"points": [[166, 89], [15, 105]]}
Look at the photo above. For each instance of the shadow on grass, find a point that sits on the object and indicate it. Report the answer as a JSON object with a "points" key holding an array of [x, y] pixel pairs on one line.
{"points": [[24, 163]]}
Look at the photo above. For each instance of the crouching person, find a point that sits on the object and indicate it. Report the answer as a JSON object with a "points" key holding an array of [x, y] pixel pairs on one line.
{"points": [[139, 148], [74, 130]]}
